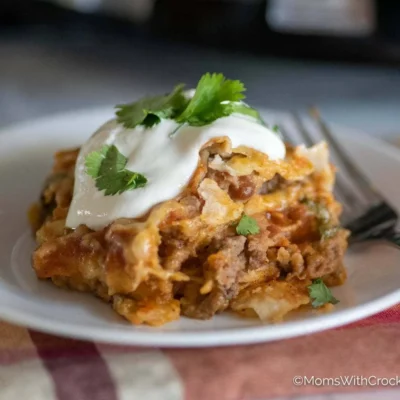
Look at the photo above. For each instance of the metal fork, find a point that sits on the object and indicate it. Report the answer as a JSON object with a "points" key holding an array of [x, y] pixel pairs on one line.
{"points": [[366, 213]]}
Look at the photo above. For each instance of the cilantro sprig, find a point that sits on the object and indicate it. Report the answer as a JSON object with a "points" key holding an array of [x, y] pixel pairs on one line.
{"points": [[320, 294], [150, 110], [107, 168], [247, 226], [215, 97], [212, 100]]}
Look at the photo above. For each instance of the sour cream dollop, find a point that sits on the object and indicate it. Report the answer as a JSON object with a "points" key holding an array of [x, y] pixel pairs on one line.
{"points": [[167, 162]]}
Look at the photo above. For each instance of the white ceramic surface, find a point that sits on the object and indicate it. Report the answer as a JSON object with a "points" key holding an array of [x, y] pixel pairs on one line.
{"points": [[25, 159]]}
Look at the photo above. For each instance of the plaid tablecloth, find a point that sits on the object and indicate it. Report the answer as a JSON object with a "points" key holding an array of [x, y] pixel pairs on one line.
{"points": [[37, 366]]}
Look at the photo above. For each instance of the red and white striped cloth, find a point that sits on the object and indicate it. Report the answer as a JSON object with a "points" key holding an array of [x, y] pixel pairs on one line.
{"points": [[37, 366]]}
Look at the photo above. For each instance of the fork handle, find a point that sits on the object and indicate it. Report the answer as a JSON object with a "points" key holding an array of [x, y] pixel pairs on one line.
{"points": [[380, 232], [391, 235], [394, 237], [379, 222]]}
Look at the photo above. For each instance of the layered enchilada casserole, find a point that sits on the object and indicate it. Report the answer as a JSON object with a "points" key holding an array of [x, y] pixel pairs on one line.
{"points": [[189, 204]]}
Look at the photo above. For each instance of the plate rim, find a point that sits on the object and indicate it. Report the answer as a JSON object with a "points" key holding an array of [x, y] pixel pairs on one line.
{"points": [[221, 337]]}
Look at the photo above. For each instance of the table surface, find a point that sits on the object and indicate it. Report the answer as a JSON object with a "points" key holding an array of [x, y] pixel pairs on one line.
{"points": [[38, 78]]}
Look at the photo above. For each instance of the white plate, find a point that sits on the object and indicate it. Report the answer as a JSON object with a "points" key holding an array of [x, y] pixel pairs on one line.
{"points": [[25, 159]]}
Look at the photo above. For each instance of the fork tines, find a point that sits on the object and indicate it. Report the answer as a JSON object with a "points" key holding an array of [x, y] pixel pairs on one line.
{"points": [[365, 212]]}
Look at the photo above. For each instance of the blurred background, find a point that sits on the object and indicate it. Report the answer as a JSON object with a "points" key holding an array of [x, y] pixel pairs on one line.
{"points": [[342, 55]]}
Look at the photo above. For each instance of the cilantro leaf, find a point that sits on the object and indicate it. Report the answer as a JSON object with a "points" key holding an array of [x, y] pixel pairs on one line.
{"points": [[247, 226], [150, 110], [275, 129], [212, 100], [151, 120], [93, 161], [107, 168], [320, 293]]}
